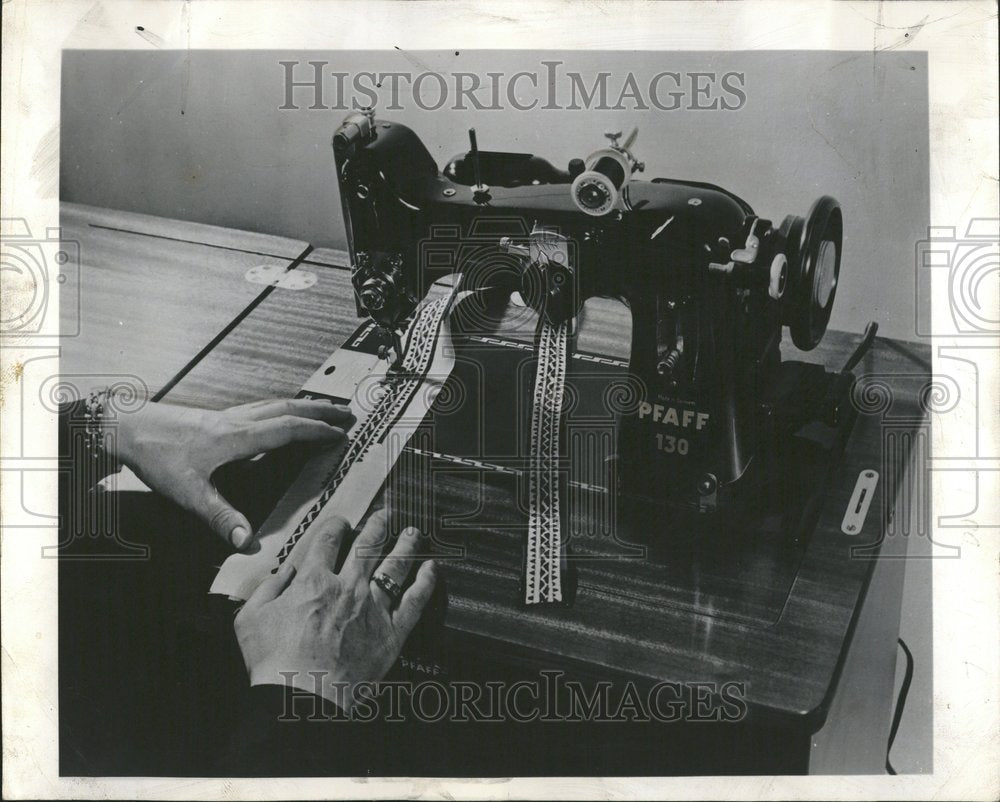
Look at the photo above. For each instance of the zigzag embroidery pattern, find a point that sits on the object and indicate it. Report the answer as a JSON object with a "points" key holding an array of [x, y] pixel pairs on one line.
{"points": [[397, 397], [543, 581]]}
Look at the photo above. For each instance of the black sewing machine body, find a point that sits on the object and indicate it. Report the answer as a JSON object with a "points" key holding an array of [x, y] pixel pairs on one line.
{"points": [[709, 285]]}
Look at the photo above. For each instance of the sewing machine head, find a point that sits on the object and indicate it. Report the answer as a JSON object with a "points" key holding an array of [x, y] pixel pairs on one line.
{"points": [[710, 286]]}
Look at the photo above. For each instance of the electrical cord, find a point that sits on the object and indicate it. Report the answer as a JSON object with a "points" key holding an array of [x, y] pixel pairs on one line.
{"points": [[904, 689]]}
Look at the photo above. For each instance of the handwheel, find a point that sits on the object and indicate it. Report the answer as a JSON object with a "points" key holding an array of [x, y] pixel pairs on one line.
{"points": [[813, 248]]}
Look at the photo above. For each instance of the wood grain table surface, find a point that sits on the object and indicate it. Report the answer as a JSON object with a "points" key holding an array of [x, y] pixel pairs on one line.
{"points": [[149, 294], [652, 622]]}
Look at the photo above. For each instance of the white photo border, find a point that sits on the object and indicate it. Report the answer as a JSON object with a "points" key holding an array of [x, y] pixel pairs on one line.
{"points": [[960, 40]]}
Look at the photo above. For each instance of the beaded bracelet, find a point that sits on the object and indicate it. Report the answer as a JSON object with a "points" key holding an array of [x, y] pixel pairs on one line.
{"points": [[94, 430]]}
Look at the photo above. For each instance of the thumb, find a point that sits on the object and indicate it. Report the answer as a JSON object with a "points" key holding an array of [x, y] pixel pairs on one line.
{"points": [[224, 519]]}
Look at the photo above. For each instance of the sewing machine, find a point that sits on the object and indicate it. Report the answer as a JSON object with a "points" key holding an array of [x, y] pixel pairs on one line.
{"points": [[730, 467], [710, 286]]}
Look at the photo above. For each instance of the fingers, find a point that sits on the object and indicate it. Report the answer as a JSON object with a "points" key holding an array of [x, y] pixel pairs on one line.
{"points": [[272, 433], [225, 520], [273, 585], [325, 542], [415, 599], [367, 549], [318, 409], [397, 565]]}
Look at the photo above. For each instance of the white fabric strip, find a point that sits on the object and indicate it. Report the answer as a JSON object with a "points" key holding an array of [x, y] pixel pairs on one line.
{"points": [[343, 482], [543, 580]]}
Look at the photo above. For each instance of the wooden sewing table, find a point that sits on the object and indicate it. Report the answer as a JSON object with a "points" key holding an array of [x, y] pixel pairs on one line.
{"points": [[806, 632]]}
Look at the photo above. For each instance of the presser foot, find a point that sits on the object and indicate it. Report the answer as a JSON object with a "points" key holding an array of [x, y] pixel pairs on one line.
{"points": [[392, 350]]}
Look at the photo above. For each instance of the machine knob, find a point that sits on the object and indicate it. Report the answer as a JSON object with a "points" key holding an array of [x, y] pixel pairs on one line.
{"points": [[594, 193], [576, 166], [778, 277], [374, 294], [357, 127]]}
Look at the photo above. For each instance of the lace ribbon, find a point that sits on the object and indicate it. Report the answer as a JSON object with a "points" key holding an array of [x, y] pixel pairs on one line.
{"points": [[398, 394], [543, 580]]}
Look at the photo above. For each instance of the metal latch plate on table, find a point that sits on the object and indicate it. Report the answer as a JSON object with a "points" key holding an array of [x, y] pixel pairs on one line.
{"points": [[278, 276]]}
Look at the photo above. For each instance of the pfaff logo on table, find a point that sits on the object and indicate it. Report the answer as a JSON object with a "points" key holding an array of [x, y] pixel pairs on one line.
{"points": [[671, 416], [420, 667]]}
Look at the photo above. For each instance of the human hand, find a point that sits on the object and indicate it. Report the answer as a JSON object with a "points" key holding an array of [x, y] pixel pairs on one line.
{"points": [[175, 450], [342, 627]]}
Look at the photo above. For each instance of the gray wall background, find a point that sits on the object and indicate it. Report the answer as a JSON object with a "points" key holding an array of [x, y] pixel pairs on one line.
{"points": [[199, 136]]}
